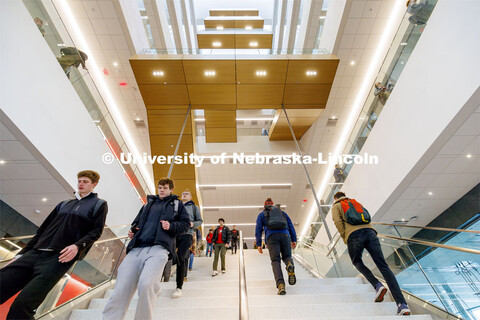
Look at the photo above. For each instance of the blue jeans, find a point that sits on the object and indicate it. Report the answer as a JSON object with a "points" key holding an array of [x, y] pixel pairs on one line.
{"points": [[209, 248], [190, 264], [367, 239]]}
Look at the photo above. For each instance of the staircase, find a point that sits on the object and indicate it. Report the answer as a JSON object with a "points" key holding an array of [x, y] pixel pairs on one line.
{"points": [[207, 297]]}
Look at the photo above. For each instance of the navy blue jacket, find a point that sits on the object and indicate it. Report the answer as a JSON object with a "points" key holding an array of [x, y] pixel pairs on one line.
{"points": [[262, 226], [179, 223]]}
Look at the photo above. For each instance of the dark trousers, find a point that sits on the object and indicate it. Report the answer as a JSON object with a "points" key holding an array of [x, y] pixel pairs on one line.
{"points": [[279, 248], [35, 273], [234, 245], [367, 239], [184, 242]]}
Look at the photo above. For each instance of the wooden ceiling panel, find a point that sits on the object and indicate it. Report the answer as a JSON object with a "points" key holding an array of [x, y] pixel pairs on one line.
{"points": [[245, 41], [180, 171], [213, 24], [260, 94], [212, 93], [220, 119], [221, 135], [221, 12], [165, 144], [275, 71], [253, 23], [195, 71], [172, 71], [206, 40], [246, 12], [153, 107], [164, 94], [307, 95], [325, 70], [182, 184], [215, 106], [171, 124]]}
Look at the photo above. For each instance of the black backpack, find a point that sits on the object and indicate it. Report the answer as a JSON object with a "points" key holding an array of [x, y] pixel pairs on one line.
{"points": [[275, 219]]}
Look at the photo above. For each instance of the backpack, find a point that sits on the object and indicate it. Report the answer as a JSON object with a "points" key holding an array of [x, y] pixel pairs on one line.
{"points": [[355, 213], [275, 219]]}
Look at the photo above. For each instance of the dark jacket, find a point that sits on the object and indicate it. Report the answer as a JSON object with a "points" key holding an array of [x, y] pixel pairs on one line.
{"points": [[226, 234], [262, 226], [73, 223], [179, 223], [195, 216]]}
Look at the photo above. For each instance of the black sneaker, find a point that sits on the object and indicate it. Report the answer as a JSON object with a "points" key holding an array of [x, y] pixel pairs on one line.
{"points": [[291, 274], [281, 289]]}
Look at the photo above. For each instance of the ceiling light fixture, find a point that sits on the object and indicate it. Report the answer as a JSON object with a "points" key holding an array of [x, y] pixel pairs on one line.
{"points": [[44, 199], [245, 185], [430, 193], [403, 44], [219, 28], [210, 73], [216, 44], [115, 64], [99, 79], [322, 17], [2, 161], [253, 44], [311, 73], [243, 119], [158, 73], [261, 73], [468, 156], [352, 63], [333, 118], [248, 28], [383, 44]]}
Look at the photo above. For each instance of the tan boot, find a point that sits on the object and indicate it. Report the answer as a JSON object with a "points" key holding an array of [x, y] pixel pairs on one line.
{"points": [[281, 289]]}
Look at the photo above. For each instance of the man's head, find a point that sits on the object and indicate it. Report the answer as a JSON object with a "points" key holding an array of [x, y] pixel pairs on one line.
{"points": [[234, 227], [165, 187], [186, 195], [337, 166], [221, 222], [87, 180], [338, 195], [210, 231], [268, 203]]}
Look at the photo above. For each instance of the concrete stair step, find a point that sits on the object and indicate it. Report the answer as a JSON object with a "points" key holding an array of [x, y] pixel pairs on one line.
{"points": [[302, 290]]}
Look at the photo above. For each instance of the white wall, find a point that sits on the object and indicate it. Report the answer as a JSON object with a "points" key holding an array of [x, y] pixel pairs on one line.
{"points": [[429, 100], [333, 20], [37, 96], [202, 7]]}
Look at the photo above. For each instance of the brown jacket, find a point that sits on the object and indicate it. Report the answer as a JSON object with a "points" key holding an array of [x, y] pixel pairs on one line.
{"points": [[345, 229]]}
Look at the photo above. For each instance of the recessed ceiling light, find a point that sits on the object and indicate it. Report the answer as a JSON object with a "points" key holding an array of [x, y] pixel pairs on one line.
{"points": [[248, 28], [352, 63], [2, 161], [216, 44], [430, 193], [210, 73], [44, 199], [253, 44], [322, 17], [37, 211], [468, 156], [219, 28], [115, 64], [138, 119], [403, 44], [261, 73], [158, 73], [333, 118], [311, 73]]}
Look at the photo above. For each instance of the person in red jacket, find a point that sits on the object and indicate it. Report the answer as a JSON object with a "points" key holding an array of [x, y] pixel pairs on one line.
{"points": [[209, 243]]}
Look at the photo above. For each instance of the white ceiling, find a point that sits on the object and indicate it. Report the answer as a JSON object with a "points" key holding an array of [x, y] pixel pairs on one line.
{"points": [[25, 181]]}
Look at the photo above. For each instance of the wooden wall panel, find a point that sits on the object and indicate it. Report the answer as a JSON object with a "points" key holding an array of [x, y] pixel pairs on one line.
{"points": [[220, 119], [195, 71], [206, 40], [168, 124], [219, 135], [222, 12], [243, 23], [260, 94], [242, 41], [172, 69], [164, 94], [212, 94], [213, 24], [276, 71], [306, 94], [246, 12]]}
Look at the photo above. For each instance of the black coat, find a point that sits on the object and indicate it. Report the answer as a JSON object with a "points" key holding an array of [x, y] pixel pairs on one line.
{"points": [[226, 235], [179, 223]]}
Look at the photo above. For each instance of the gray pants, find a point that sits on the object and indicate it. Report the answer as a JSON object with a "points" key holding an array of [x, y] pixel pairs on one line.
{"points": [[142, 268]]}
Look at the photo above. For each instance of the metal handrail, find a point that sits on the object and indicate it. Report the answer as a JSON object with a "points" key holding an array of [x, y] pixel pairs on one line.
{"points": [[243, 298], [432, 244], [32, 235], [428, 228]]}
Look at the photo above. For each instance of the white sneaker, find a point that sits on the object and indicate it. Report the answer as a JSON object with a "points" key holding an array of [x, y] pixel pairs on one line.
{"points": [[223, 271], [177, 293], [214, 273]]}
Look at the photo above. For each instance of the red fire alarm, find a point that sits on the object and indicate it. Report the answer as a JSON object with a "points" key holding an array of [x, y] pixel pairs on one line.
{"points": [[304, 200], [122, 84]]}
